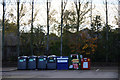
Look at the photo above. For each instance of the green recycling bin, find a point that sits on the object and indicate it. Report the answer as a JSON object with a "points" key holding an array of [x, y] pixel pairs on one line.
{"points": [[75, 62]]}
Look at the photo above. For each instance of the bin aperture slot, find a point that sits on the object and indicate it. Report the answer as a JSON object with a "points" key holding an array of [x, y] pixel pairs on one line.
{"points": [[40, 59], [30, 59], [51, 60], [21, 60]]}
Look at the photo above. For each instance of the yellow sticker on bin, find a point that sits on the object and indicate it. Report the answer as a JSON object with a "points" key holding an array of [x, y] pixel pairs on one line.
{"points": [[88, 59], [75, 60]]}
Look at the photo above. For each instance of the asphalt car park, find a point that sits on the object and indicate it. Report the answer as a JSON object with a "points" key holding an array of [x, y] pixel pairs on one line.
{"points": [[95, 72]]}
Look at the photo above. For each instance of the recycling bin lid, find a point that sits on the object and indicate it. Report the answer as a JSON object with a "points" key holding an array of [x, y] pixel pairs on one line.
{"points": [[43, 56], [52, 56], [32, 56], [22, 57], [74, 54], [62, 57]]}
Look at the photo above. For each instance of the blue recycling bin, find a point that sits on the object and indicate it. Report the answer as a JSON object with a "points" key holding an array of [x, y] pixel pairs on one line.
{"points": [[32, 62], [51, 62], [62, 63], [22, 63], [42, 62]]}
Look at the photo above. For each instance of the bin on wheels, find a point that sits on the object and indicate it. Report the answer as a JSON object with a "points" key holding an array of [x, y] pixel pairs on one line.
{"points": [[85, 62], [32, 62], [51, 62], [75, 62], [42, 62], [22, 63], [62, 63]]}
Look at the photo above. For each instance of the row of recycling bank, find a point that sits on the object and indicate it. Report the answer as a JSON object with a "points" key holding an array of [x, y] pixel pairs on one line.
{"points": [[52, 62]]}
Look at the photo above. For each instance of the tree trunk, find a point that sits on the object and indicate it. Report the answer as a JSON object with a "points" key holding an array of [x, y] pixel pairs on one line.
{"points": [[78, 21], [78, 15], [91, 13]]}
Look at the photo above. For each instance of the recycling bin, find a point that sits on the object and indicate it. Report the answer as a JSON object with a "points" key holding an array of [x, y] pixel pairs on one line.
{"points": [[62, 63], [85, 62], [75, 62], [51, 62], [22, 63], [32, 62], [42, 62]]}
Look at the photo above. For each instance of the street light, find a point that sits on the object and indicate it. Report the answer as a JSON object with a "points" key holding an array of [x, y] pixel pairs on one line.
{"points": [[3, 28], [107, 31], [18, 33]]}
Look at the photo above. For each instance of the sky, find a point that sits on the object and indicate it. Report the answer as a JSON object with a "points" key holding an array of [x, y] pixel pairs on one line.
{"points": [[99, 9]]}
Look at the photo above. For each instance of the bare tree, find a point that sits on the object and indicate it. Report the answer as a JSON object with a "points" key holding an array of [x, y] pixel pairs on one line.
{"points": [[33, 16], [116, 8], [91, 12], [78, 7], [80, 15], [82, 9]]}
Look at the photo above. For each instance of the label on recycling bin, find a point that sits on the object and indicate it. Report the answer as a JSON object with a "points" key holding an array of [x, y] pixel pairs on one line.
{"points": [[71, 66], [75, 60], [85, 64], [30, 59], [62, 61], [75, 66], [51, 60], [40, 59], [21, 60]]}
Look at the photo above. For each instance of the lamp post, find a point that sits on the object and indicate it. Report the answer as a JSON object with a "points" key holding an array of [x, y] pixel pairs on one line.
{"points": [[47, 27], [32, 28], [61, 24], [18, 33], [106, 30], [3, 28]]}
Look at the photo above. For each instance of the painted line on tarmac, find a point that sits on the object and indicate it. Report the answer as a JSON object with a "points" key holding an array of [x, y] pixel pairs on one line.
{"points": [[9, 70]]}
